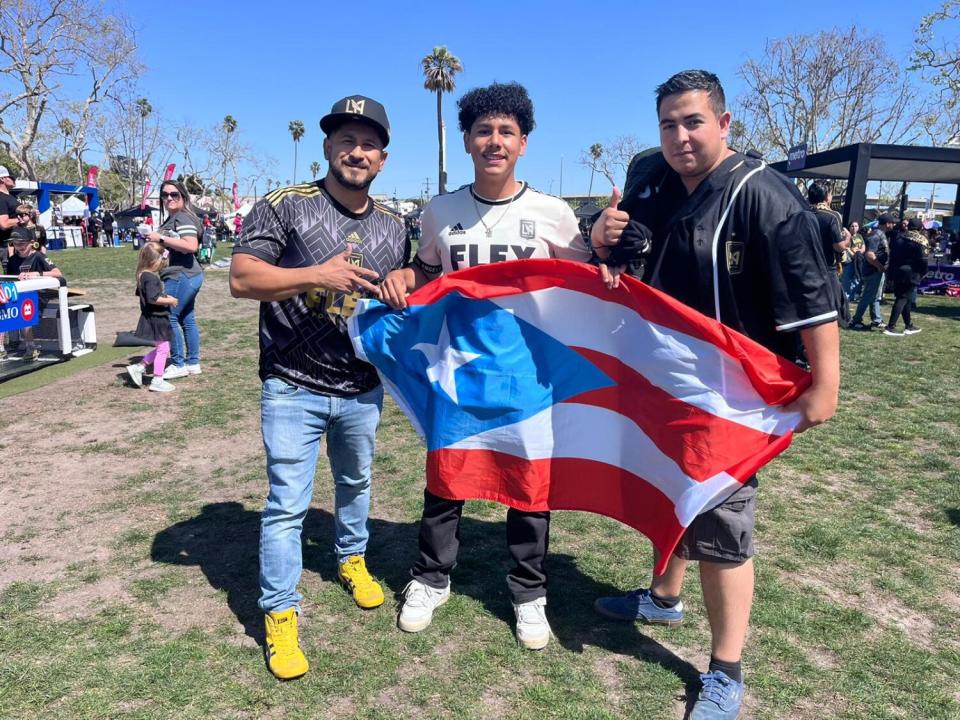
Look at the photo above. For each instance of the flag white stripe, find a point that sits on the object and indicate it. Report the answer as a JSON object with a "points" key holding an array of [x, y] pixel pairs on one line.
{"points": [[593, 433], [688, 368]]}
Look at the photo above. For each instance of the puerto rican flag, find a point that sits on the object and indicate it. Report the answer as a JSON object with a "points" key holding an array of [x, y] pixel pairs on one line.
{"points": [[533, 385]]}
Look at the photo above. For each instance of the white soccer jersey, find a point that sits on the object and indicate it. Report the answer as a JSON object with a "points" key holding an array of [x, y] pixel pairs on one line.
{"points": [[529, 225]]}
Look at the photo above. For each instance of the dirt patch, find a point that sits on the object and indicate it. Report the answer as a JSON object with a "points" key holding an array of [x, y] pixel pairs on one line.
{"points": [[885, 608], [88, 432]]}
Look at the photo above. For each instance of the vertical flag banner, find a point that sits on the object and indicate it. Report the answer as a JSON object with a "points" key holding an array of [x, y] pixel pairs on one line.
{"points": [[533, 385], [92, 173], [236, 198], [168, 173], [146, 192]]}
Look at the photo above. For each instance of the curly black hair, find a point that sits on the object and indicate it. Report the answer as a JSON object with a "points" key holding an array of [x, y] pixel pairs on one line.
{"points": [[508, 99]]}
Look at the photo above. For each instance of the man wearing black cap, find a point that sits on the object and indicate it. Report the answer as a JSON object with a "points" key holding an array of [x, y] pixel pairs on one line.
{"points": [[307, 253], [875, 256]]}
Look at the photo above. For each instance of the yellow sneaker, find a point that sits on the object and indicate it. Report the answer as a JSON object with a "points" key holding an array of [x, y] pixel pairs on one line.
{"points": [[367, 592], [284, 656]]}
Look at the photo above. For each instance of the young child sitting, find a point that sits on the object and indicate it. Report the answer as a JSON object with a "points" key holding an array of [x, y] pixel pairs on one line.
{"points": [[154, 316], [28, 263]]}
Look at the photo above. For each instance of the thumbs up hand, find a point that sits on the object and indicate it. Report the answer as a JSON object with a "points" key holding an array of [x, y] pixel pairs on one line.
{"points": [[609, 226]]}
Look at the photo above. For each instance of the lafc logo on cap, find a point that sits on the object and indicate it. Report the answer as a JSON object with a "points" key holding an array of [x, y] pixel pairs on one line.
{"points": [[355, 106]]}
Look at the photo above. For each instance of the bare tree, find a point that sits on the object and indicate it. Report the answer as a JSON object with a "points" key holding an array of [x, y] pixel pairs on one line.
{"points": [[131, 139], [936, 54], [611, 159], [43, 43], [828, 89]]}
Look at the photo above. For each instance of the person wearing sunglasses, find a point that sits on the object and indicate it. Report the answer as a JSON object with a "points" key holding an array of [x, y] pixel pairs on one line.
{"points": [[182, 278]]}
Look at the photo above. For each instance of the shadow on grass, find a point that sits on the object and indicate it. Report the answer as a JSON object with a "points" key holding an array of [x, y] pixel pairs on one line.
{"points": [[953, 515], [223, 542], [942, 311]]}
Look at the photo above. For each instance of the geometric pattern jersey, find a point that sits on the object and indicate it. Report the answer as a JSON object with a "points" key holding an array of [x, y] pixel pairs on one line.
{"points": [[303, 339]]}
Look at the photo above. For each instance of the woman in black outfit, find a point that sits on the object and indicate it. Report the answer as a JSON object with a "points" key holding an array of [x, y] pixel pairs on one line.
{"points": [[908, 265]]}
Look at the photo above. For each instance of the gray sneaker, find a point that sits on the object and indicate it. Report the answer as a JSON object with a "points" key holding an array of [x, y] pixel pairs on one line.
{"points": [[533, 629], [158, 384], [175, 371], [135, 372], [419, 602]]}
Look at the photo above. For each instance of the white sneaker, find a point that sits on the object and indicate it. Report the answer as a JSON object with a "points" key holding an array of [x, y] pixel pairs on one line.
{"points": [[135, 372], [158, 384], [533, 630], [419, 602], [175, 371], [193, 369]]}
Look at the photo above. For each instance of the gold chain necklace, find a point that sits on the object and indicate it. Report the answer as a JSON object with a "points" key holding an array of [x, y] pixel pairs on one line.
{"points": [[489, 228]]}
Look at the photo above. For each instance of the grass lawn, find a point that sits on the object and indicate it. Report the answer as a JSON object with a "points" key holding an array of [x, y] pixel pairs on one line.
{"points": [[138, 598]]}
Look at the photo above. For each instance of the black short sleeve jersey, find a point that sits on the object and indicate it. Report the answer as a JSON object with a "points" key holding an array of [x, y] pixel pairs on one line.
{"points": [[743, 247], [830, 233], [34, 262], [8, 209], [876, 243], [304, 339]]}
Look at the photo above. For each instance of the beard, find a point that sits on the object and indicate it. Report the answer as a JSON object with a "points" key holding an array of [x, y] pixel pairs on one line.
{"points": [[347, 182]]}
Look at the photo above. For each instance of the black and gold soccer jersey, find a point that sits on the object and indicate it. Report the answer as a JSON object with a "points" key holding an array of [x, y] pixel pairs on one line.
{"points": [[304, 339]]}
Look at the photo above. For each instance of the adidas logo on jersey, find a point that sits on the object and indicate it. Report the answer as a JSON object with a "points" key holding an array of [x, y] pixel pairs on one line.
{"points": [[354, 239], [457, 229]]}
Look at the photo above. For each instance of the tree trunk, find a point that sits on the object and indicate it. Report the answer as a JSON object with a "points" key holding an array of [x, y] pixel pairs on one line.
{"points": [[295, 143], [441, 185]]}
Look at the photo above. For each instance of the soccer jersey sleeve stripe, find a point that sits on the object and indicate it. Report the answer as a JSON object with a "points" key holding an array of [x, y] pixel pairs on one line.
{"points": [[815, 320]]}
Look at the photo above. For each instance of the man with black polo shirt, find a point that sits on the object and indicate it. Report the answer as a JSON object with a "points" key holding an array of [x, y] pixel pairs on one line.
{"points": [[834, 238], [308, 252], [734, 240], [8, 215]]}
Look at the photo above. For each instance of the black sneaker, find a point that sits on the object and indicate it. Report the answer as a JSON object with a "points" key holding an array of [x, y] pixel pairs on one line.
{"points": [[861, 327], [878, 323]]}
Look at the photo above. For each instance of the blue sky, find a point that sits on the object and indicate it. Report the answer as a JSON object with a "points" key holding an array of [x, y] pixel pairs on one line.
{"points": [[590, 68]]}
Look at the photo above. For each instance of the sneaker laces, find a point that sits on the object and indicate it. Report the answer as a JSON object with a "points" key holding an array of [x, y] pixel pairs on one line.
{"points": [[715, 687], [417, 595], [531, 613], [284, 636], [356, 570]]}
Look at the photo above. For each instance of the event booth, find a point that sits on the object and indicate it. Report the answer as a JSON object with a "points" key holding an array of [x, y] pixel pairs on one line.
{"points": [[61, 331]]}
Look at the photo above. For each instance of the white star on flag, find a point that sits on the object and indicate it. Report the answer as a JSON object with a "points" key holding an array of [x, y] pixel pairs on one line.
{"points": [[443, 360]]}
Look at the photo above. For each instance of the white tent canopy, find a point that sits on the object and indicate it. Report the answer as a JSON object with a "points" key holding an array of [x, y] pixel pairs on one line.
{"points": [[73, 206]]}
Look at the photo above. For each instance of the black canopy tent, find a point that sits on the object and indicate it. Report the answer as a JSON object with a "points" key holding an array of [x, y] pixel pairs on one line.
{"points": [[861, 162]]}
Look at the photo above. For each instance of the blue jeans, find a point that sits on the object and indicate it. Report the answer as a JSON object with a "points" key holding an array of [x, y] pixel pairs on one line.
{"points": [[872, 293], [293, 422], [183, 321], [849, 281]]}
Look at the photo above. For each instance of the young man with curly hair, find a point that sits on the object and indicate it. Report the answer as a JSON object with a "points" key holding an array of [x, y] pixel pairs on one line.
{"points": [[496, 218]]}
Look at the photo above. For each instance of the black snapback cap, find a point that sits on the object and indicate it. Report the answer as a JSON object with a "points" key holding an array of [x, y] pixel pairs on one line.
{"points": [[357, 108]]}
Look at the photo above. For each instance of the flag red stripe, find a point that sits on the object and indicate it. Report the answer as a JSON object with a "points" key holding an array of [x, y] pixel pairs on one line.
{"points": [[557, 484], [777, 380], [701, 443]]}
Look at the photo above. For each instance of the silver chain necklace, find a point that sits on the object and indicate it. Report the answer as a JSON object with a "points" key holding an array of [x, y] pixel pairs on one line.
{"points": [[489, 228]]}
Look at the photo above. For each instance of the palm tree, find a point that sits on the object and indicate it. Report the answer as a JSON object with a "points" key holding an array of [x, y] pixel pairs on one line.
{"points": [[314, 169], [297, 130], [229, 127], [439, 69], [66, 129], [596, 150], [144, 108]]}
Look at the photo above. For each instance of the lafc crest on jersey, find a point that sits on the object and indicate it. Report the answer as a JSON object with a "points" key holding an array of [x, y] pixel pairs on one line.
{"points": [[336, 304], [734, 257]]}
